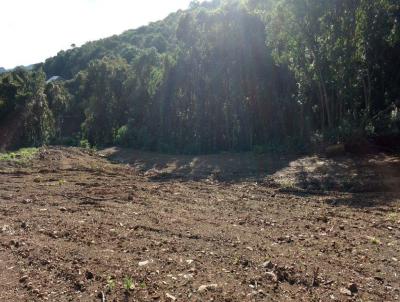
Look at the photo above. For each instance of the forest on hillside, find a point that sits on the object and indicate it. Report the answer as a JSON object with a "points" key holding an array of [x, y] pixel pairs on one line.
{"points": [[264, 75]]}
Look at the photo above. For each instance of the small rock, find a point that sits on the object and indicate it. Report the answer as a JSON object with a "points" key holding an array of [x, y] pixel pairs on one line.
{"points": [[190, 261], [192, 270], [206, 287], [23, 279], [170, 297], [268, 264], [143, 263], [62, 209], [345, 291], [272, 276]]}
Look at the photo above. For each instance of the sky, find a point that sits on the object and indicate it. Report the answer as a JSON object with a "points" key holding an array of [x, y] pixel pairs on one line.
{"points": [[33, 30]]}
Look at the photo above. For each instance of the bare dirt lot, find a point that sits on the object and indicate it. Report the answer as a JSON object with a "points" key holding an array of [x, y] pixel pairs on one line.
{"points": [[76, 226]]}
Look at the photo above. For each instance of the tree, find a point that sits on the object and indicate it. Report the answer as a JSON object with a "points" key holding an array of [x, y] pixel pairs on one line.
{"points": [[104, 97]]}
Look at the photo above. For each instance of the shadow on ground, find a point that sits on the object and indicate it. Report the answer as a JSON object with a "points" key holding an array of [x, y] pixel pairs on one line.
{"points": [[370, 173], [224, 167], [377, 201]]}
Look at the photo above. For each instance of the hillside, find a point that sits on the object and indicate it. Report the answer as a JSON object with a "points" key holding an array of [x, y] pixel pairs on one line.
{"points": [[236, 151], [222, 75], [160, 35]]}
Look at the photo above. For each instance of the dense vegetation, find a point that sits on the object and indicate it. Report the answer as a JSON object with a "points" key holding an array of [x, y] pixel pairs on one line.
{"points": [[223, 75]]}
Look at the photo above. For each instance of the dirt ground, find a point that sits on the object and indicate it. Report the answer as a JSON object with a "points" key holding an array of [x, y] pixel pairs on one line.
{"points": [[123, 225]]}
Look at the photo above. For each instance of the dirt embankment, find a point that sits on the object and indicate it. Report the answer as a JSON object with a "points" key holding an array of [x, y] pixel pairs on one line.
{"points": [[76, 227], [369, 173]]}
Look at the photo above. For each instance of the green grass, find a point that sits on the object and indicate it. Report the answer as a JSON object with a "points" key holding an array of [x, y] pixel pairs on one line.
{"points": [[110, 284], [128, 284], [20, 156], [287, 184], [393, 217], [374, 240]]}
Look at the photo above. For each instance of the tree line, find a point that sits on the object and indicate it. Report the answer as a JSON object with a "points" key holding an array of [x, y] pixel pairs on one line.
{"points": [[238, 75]]}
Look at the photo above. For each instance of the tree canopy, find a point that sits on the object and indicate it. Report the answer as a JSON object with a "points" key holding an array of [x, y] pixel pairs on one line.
{"points": [[222, 75]]}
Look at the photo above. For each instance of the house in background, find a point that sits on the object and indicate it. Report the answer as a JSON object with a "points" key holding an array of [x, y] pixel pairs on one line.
{"points": [[54, 79]]}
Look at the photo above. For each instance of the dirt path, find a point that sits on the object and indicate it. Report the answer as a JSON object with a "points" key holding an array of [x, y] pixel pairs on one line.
{"points": [[73, 226]]}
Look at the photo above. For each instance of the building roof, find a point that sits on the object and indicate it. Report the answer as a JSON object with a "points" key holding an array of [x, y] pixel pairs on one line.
{"points": [[54, 79]]}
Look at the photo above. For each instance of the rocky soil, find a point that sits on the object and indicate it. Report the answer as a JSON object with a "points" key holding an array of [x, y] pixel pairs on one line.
{"points": [[76, 226]]}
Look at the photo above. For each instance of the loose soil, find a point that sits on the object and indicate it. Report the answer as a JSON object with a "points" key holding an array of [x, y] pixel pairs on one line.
{"points": [[79, 226]]}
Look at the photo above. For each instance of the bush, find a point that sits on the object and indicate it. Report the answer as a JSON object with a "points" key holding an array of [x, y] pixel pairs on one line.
{"points": [[22, 155], [121, 137], [84, 143]]}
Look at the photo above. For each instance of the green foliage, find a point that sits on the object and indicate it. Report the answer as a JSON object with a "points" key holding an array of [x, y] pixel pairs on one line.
{"points": [[121, 136], [337, 51], [128, 284], [106, 104], [110, 284], [262, 75], [59, 102], [24, 105], [374, 240], [39, 122], [84, 143], [22, 155]]}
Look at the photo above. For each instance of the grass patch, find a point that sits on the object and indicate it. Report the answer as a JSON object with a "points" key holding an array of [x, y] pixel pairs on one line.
{"points": [[393, 217], [128, 284], [20, 156], [287, 184], [110, 284], [374, 240]]}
